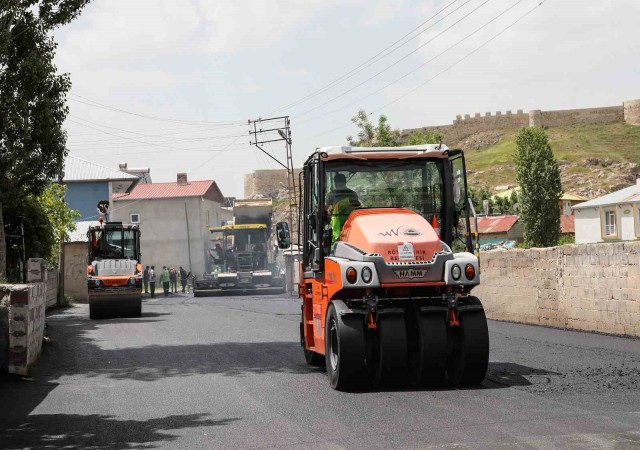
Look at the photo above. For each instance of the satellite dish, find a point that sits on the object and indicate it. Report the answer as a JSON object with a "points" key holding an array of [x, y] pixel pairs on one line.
{"points": [[103, 207]]}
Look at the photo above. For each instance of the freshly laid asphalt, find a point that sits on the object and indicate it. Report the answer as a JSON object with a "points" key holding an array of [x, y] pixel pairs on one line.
{"points": [[229, 373]]}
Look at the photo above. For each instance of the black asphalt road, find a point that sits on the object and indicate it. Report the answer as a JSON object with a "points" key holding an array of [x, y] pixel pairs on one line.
{"points": [[229, 373]]}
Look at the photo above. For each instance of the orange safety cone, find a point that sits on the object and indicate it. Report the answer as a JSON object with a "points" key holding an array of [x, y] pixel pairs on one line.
{"points": [[435, 224]]}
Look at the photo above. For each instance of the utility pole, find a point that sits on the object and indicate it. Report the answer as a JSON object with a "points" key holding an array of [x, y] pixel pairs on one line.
{"points": [[282, 126], [264, 135]]}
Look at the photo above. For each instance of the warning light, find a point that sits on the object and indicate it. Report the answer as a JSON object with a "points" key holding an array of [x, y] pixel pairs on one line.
{"points": [[470, 272], [352, 275]]}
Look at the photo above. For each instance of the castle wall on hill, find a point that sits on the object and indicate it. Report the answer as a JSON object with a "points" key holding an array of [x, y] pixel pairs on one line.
{"points": [[467, 125], [565, 118]]}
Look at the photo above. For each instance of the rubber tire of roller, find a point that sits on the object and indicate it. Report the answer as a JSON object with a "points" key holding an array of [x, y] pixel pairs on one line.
{"points": [[469, 360], [136, 309], [431, 348], [95, 312], [348, 336], [312, 358], [390, 365]]}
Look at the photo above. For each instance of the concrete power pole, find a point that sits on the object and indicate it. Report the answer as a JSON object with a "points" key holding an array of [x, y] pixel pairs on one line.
{"points": [[282, 126]]}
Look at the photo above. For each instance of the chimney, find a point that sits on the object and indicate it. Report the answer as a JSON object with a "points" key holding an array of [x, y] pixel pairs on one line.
{"points": [[182, 179], [123, 166], [637, 181]]}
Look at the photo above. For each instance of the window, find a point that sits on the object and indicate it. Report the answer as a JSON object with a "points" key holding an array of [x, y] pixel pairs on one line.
{"points": [[134, 217], [610, 229], [413, 184]]}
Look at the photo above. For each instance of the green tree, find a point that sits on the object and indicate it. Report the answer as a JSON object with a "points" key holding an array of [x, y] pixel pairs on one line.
{"points": [[46, 219], [538, 175], [32, 100], [419, 137], [383, 135], [478, 198], [373, 135], [514, 200]]}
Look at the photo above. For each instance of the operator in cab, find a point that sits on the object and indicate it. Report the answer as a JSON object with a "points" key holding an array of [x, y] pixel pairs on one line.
{"points": [[340, 202]]}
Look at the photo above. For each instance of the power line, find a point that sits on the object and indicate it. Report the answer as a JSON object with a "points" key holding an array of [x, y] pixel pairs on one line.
{"points": [[444, 70], [95, 104], [215, 155], [375, 58], [102, 155], [143, 134], [416, 69], [396, 62], [169, 131], [153, 144]]}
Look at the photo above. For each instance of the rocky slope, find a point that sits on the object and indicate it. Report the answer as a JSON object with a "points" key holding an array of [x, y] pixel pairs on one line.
{"points": [[594, 159]]}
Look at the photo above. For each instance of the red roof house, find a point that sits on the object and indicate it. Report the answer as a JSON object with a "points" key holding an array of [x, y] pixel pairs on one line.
{"points": [[174, 220], [498, 228]]}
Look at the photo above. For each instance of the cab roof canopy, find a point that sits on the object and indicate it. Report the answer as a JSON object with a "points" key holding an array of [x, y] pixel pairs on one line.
{"points": [[409, 151]]}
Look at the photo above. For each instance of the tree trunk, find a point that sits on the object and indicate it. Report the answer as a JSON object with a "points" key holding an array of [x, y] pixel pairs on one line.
{"points": [[3, 249]]}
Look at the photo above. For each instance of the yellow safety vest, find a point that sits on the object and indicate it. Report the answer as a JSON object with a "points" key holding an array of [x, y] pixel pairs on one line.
{"points": [[339, 215]]}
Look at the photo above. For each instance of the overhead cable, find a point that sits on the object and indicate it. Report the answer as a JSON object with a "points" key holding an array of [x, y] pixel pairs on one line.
{"points": [[467, 55], [390, 66], [96, 104], [415, 69], [375, 58]]}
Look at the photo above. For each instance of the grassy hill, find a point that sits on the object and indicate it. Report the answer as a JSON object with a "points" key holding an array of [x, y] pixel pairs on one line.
{"points": [[594, 159]]}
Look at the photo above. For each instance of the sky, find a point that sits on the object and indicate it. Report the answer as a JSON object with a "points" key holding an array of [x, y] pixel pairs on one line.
{"points": [[170, 84]]}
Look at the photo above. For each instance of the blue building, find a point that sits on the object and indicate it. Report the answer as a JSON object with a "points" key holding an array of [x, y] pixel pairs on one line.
{"points": [[87, 183]]}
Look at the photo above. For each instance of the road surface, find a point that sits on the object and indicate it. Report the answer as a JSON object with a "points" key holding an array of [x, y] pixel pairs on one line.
{"points": [[229, 373]]}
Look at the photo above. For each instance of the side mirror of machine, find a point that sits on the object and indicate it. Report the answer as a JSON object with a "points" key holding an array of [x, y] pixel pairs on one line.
{"points": [[282, 234]]}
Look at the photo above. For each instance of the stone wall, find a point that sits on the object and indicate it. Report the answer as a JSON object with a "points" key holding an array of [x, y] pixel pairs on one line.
{"points": [[52, 287], [632, 112], [75, 271], [267, 183], [468, 125], [26, 315], [591, 287], [4, 331]]}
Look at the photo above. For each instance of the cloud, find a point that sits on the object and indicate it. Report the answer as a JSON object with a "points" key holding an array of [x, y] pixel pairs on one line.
{"points": [[148, 29], [262, 23], [293, 72], [381, 12]]}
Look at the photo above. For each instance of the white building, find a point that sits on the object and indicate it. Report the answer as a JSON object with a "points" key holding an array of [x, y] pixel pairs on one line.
{"points": [[174, 220], [612, 217]]}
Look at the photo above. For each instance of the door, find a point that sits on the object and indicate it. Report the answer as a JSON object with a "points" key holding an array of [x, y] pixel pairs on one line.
{"points": [[460, 227]]}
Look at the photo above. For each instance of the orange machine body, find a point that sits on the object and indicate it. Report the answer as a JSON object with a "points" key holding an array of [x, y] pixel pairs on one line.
{"points": [[375, 230]]}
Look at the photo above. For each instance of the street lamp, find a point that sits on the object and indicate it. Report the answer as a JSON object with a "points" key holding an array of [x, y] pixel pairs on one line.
{"points": [[284, 136]]}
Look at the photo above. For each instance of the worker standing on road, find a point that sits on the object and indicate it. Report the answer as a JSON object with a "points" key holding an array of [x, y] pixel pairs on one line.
{"points": [[164, 278], [145, 279], [152, 281], [173, 278], [183, 278]]}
